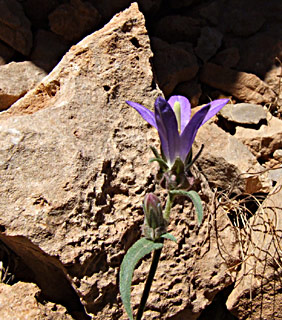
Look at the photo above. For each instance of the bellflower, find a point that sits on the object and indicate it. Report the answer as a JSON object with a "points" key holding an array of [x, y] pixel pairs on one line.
{"points": [[177, 130]]}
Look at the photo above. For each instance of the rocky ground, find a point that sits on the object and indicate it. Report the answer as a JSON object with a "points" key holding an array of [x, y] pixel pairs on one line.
{"points": [[74, 157]]}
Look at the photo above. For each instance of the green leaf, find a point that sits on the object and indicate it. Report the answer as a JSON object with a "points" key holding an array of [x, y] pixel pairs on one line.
{"points": [[140, 248], [169, 236], [193, 195]]}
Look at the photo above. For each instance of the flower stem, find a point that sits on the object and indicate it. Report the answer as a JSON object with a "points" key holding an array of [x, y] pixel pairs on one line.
{"points": [[148, 284], [168, 207]]}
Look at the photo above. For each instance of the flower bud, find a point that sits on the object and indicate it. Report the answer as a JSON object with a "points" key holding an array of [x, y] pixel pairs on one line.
{"points": [[154, 224]]}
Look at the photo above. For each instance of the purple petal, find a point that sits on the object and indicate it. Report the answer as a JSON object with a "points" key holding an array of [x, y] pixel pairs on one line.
{"points": [[216, 106], [167, 128], [145, 113], [188, 136], [185, 109]]}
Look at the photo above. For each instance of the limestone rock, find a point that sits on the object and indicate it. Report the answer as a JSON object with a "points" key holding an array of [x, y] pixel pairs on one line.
{"points": [[73, 173], [226, 162], [19, 302], [244, 113], [244, 86], [16, 79], [277, 154], [208, 43], [74, 20], [260, 272], [172, 65], [264, 141], [175, 28], [14, 26]]}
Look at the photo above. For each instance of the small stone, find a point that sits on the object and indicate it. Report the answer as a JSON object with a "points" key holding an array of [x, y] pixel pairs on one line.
{"points": [[244, 86], [277, 154], [208, 43], [16, 79], [244, 113]]}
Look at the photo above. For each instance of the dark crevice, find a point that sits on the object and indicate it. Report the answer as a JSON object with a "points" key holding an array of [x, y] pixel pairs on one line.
{"points": [[30, 264], [230, 126], [217, 310]]}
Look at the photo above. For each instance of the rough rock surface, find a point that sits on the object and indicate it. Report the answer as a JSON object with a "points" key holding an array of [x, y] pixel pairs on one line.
{"points": [[19, 301], [16, 79], [264, 141], [257, 291], [244, 86], [74, 170], [225, 162], [181, 65], [14, 26]]}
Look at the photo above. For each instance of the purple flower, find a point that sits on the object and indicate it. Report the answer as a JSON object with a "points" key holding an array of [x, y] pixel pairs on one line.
{"points": [[176, 130]]}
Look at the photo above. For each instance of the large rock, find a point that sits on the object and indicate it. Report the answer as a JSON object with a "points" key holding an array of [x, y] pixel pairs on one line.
{"points": [[243, 86], [260, 272], [73, 173], [16, 79], [14, 26]]}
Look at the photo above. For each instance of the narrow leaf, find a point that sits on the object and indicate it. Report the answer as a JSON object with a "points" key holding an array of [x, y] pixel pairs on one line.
{"points": [[140, 248], [193, 195], [169, 236]]}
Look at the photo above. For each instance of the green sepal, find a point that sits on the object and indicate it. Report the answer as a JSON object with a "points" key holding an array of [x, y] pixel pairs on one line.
{"points": [[169, 236], [155, 152], [193, 195], [139, 250], [162, 163], [189, 161]]}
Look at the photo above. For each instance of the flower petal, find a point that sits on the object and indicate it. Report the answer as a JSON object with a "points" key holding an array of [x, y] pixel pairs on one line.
{"points": [[185, 109], [167, 128], [145, 113], [188, 136], [216, 106]]}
